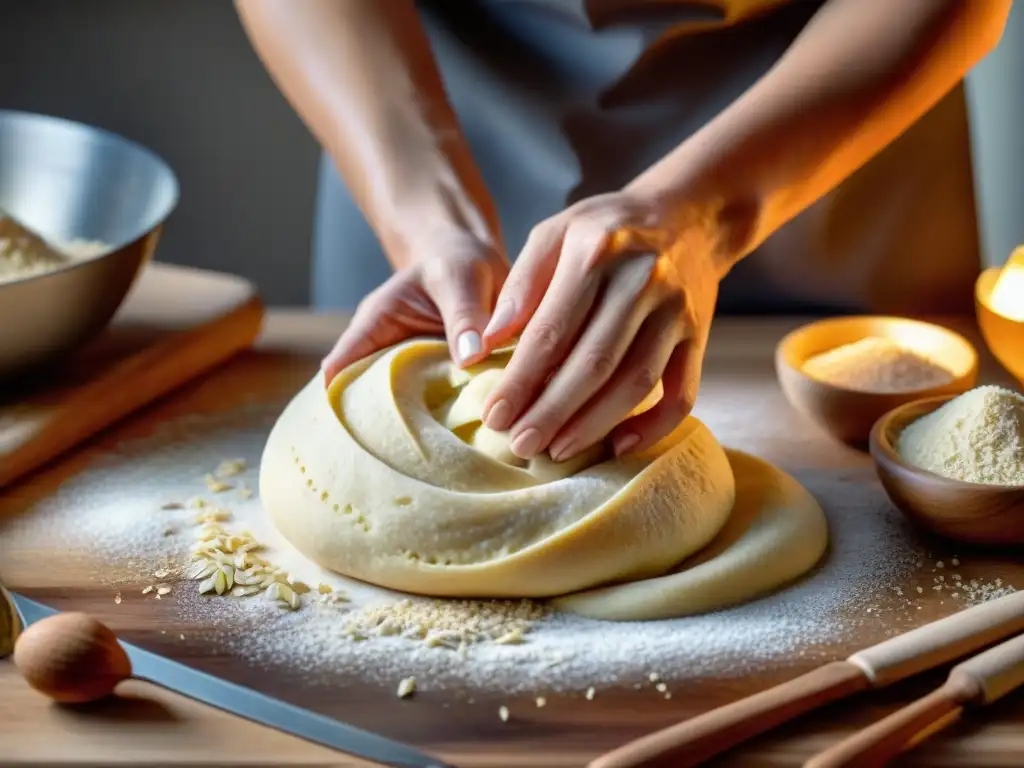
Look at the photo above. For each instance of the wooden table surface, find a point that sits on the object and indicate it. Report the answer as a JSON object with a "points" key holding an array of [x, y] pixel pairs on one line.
{"points": [[740, 401]]}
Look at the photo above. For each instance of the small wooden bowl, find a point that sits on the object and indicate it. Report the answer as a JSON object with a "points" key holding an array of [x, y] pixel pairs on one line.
{"points": [[849, 414], [970, 512], [1003, 336]]}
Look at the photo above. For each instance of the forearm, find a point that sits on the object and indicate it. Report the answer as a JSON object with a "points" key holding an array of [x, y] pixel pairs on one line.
{"points": [[858, 76], [361, 74]]}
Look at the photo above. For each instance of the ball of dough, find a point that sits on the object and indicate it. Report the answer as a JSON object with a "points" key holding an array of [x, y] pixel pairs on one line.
{"points": [[389, 476]]}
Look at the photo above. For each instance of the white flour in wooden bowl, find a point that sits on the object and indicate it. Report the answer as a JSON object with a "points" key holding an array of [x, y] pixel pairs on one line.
{"points": [[133, 512]]}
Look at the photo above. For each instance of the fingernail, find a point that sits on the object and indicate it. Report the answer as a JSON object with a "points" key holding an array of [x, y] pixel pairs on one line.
{"points": [[326, 371], [467, 346], [626, 443], [499, 417], [527, 444], [563, 450], [502, 317]]}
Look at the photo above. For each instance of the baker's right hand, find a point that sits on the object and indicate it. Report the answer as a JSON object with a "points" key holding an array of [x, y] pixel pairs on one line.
{"points": [[449, 290]]}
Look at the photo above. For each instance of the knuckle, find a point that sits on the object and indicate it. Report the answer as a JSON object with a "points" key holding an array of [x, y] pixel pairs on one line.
{"points": [[545, 337], [378, 295], [539, 232], [598, 364], [456, 268], [458, 319], [673, 410], [514, 288], [587, 241], [643, 379], [376, 335], [673, 301], [367, 310], [592, 232], [437, 273]]}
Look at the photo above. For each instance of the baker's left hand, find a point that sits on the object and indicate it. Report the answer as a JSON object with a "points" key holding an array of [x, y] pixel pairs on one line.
{"points": [[608, 297]]}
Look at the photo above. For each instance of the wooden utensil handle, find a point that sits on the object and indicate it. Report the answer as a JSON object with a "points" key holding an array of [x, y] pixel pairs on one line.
{"points": [[694, 741], [877, 744]]}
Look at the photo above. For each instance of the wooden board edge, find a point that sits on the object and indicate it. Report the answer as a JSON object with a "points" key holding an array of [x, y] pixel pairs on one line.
{"points": [[163, 370]]}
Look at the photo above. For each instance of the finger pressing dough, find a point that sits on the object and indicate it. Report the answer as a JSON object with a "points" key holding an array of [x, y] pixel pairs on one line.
{"points": [[389, 476]]}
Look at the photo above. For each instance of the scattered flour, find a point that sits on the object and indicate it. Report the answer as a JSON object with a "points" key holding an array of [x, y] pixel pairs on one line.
{"points": [[132, 514]]}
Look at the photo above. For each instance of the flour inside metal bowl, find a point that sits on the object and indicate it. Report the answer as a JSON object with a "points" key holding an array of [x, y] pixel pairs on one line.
{"points": [[24, 254]]}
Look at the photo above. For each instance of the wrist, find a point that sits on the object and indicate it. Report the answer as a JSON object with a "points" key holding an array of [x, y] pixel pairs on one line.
{"points": [[435, 223], [706, 217], [433, 209]]}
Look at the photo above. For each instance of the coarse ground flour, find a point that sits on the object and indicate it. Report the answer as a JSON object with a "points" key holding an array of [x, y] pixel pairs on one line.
{"points": [[977, 437], [132, 512], [25, 257], [876, 364]]}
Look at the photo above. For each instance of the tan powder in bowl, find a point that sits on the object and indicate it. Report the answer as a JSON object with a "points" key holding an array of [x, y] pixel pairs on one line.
{"points": [[876, 364], [976, 438], [25, 254]]}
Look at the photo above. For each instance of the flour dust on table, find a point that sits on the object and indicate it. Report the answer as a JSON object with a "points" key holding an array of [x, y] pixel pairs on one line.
{"points": [[138, 511]]}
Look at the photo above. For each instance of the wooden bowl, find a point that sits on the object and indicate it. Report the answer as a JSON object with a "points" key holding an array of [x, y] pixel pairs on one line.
{"points": [[970, 512], [1003, 336], [849, 414]]}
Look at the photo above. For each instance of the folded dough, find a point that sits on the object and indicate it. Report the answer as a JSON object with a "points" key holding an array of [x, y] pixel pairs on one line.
{"points": [[390, 477]]}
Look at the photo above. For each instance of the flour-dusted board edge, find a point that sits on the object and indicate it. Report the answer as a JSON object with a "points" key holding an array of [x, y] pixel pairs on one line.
{"points": [[176, 323]]}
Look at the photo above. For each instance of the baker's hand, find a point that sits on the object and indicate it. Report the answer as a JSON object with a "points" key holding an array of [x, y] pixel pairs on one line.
{"points": [[448, 291], [610, 296]]}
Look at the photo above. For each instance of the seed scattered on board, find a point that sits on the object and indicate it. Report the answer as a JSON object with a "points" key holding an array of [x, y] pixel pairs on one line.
{"points": [[407, 687]]}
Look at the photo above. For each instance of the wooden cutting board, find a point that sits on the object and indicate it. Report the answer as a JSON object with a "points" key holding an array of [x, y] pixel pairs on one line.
{"points": [[176, 323], [741, 403]]}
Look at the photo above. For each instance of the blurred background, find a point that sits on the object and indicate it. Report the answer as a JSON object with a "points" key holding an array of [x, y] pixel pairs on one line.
{"points": [[180, 77]]}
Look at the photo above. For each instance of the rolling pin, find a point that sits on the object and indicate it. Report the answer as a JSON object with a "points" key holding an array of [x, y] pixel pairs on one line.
{"points": [[693, 741], [978, 681]]}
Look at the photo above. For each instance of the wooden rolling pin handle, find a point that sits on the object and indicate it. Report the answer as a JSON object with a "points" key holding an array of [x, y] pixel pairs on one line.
{"points": [[877, 744], [693, 741]]}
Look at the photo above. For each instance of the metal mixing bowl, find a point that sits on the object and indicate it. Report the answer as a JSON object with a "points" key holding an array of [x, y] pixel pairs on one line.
{"points": [[10, 623], [69, 181]]}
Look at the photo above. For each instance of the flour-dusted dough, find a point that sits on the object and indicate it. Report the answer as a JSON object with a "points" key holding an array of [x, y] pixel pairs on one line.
{"points": [[389, 476], [776, 532]]}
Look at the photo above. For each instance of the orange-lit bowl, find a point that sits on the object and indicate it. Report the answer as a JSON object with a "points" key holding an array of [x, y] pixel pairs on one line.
{"points": [[849, 414], [1003, 336], [971, 512]]}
